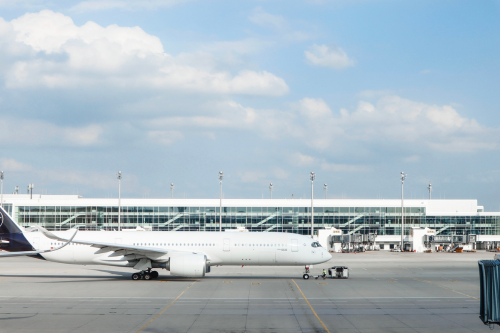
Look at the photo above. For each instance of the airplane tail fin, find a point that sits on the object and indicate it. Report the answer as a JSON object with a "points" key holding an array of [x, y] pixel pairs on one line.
{"points": [[7, 225], [12, 235]]}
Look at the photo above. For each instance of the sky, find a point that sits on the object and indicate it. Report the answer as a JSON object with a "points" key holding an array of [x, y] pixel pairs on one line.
{"points": [[174, 91]]}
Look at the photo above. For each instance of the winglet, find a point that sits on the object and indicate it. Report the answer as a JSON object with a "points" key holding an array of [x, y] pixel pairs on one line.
{"points": [[50, 235], [60, 247]]}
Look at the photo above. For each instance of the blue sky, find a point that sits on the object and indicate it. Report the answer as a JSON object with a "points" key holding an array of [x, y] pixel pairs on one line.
{"points": [[266, 91]]}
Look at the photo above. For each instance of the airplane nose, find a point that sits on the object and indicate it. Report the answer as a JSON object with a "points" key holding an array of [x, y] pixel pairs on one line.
{"points": [[327, 255]]}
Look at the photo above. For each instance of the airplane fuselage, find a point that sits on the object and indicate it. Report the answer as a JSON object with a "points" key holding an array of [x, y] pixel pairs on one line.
{"points": [[220, 248]]}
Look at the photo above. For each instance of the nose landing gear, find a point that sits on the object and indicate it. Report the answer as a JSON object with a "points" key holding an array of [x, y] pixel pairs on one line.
{"points": [[145, 275], [306, 273]]}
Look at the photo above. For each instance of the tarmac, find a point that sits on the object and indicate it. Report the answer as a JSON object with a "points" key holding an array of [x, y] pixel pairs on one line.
{"points": [[385, 292]]}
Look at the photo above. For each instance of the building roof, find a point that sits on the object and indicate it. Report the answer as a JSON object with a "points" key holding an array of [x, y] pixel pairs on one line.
{"points": [[434, 206]]}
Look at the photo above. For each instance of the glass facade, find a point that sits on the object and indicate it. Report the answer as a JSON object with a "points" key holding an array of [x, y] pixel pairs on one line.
{"points": [[380, 220]]}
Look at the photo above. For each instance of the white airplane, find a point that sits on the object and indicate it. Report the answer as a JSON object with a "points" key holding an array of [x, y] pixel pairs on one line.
{"points": [[186, 254]]}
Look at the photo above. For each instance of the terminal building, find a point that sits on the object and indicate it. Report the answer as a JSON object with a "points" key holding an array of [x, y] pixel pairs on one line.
{"points": [[352, 216]]}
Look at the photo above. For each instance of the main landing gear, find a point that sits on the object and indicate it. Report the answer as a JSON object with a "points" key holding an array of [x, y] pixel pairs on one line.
{"points": [[145, 275]]}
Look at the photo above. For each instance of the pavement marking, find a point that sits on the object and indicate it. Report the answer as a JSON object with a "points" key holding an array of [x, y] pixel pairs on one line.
{"points": [[310, 306], [255, 283], [143, 327], [458, 292], [228, 281], [223, 298], [322, 283]]}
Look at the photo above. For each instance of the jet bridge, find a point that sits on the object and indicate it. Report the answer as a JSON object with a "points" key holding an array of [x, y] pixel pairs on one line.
{"points": [[451, 243]]}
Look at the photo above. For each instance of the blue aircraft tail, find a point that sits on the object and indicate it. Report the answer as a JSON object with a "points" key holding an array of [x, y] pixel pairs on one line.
{"points": [[11, 235]]}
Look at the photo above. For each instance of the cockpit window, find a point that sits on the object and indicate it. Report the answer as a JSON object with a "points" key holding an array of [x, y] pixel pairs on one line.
{"points": [[315, 244]]}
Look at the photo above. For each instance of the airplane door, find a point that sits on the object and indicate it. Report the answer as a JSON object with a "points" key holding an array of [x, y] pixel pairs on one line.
{"points": [[295, 245], [226, 244], [118, 241], [36, 243]]}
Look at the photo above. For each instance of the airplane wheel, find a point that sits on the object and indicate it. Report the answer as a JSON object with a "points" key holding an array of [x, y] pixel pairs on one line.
{"points": [[305, 276], [154, 274], [147, 276], [136, 276]]}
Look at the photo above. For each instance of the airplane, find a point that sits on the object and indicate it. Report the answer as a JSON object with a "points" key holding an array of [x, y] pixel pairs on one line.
{"points": [[184, 254]]}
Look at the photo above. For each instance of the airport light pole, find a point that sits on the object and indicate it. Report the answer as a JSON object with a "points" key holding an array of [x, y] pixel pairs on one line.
{"points": [[325, 186], [430, 190], [119, 177], [403, 177], [30, 190], [221, 176], [1, 196], [171, 190], [271, 189], [312, 176]]}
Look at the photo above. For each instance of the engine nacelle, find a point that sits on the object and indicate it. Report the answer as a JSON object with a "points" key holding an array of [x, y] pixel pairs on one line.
{"points": [[188, 265]]}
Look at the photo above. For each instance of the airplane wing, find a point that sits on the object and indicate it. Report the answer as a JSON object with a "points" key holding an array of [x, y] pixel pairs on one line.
{"points": [[125, 250], [101, 245], [30, 253]]}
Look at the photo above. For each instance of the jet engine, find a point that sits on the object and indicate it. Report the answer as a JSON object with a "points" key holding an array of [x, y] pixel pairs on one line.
{"points": [[188, 265]]}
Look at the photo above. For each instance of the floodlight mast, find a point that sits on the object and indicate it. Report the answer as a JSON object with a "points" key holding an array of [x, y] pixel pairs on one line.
{"points": [[271, 189], [430, 190], [171, 190], [119, 177], [312, 176], [403, 177], [30, 190], [325, 186], [1, 196], [221, 176]]}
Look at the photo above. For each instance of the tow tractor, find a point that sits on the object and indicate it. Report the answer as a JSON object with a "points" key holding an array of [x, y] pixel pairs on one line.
{"points": [[339, 272], [335, 272]]}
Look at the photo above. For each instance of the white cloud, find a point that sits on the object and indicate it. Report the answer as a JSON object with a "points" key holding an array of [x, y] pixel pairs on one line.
{"points": [[328, 56], [302, 160], [390, 123], [59, 54], [400, 121], [37, 133], [231, 116], [266, 20], [314, 108], [10, 164], [282, 28]]}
